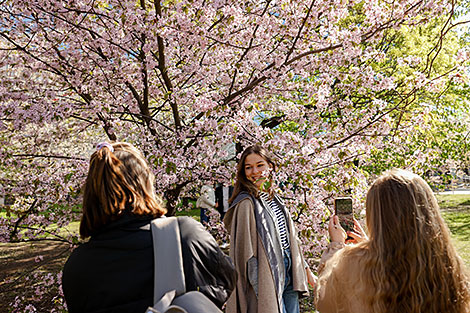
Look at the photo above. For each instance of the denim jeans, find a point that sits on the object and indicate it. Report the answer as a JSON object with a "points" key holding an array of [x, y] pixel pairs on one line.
{"points": [[290, 298], [203, 217]]}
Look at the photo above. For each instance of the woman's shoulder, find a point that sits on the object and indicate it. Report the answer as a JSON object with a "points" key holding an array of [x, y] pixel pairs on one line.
{"points": [[246, 202], [78, 260], [245, 206], [348, 260], [241, 208], [191, 231], [356, 251], [243, 199], [340, 283]]}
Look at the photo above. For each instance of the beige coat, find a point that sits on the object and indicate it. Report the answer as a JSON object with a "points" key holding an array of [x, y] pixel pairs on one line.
{"points": [[339, 288], [245, 244]]}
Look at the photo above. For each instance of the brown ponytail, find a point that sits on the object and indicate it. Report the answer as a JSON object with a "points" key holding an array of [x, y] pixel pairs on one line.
{"points": [[117, 181]]}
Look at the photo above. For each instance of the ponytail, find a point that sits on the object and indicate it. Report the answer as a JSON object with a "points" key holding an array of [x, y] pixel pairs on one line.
{"points": [[117, 181]]}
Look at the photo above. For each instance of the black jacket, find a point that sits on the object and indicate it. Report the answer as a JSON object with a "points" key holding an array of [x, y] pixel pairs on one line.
{"points": [[219, 198], [113, 271]]}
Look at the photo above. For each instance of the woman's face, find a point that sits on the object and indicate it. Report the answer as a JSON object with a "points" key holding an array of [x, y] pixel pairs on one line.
{"points": [[256, 169]]}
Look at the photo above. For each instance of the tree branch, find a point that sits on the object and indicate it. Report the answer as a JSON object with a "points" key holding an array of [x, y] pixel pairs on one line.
{"points": [[107, 127], [48, 156], [299, 32], [14, 232], [163, 70]]}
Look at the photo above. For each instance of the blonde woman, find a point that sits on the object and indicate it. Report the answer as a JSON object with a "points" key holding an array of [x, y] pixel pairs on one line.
{"points": [[408, 265]]}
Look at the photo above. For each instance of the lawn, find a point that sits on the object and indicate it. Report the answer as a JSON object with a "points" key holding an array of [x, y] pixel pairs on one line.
{"points": [[456, 212]]}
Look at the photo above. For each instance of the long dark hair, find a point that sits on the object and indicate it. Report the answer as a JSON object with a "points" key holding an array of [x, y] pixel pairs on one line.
{"points": [[117, 181], [241, 182]]}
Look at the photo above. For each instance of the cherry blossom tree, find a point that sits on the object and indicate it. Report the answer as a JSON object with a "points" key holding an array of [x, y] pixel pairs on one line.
{"points": [[325, 85]]}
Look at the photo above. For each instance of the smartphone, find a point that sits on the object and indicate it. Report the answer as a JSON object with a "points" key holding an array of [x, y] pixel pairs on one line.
{"points": [[344, 211]]}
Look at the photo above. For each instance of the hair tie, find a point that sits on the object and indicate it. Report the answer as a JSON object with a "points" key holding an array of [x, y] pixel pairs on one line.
{"points": [[104, 144]]}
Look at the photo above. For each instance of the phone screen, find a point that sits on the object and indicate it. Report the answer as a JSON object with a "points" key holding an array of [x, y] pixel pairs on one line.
{"points": [[344, 211]]}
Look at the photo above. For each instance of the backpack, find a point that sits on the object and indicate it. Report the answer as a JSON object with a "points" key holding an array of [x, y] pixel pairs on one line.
{"points": [[170, 294]]}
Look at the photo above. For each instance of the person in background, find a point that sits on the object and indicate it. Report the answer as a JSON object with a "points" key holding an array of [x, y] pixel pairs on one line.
{"points": [[272, 273], [206, 201], [222, 195], [114, 270], [408, 264]]}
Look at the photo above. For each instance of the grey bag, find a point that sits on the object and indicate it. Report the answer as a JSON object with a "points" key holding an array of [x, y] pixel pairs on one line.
{"points": [[170, 294]]}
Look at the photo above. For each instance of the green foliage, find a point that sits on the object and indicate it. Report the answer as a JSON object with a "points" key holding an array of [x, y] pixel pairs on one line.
{"points": [[187, 207], [442, 136]]}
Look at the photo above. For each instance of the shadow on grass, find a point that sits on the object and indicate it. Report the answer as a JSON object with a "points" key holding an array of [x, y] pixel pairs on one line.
{"points": [[20, 262], [453, 201], [458, 223]]}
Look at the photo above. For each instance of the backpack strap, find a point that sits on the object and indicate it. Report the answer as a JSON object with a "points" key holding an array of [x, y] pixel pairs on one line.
{"points": [[168, 273]]}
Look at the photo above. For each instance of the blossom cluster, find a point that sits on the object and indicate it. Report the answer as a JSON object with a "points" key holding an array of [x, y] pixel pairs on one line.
{"points": [[332, 88]]}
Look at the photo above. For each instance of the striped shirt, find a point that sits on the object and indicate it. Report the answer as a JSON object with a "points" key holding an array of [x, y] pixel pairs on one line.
{"points": [[280, 219]]}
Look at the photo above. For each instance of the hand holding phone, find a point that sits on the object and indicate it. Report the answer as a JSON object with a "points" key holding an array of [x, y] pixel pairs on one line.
{"points": [[344, 211], [337, 233], [358, 234]]}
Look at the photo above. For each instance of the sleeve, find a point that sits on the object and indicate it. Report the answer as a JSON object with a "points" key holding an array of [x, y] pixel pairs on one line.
{"points": [[72, 292], [206, 267], [332, 248], [299, 265], [329, 290], [243, 251]]}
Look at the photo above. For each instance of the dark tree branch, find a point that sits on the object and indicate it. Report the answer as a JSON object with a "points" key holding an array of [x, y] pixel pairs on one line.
{"points": [[25, 214], [107, 127], [48, 156], [163, 70], [299, 31]]}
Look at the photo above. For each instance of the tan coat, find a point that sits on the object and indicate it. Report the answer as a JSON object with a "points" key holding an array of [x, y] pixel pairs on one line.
{"points": [[339, 288], [245, 244]]}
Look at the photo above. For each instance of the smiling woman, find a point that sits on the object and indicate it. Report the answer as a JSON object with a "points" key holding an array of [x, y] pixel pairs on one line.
{"points": [[263, 242], [256, 169]]}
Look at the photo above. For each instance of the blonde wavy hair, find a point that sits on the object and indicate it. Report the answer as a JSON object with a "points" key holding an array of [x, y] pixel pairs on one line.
{"points": [[411, 263]]}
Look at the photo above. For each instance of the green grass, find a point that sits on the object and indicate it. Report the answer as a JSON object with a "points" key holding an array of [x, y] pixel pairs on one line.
{"points": [[194, 213], [456, 213], [453, 201], [459, 225], [72, 228]]}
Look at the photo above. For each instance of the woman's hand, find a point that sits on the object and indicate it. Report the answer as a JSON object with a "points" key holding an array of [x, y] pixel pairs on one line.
{"points": [[337, 233], [311, 278], [358, 235]]}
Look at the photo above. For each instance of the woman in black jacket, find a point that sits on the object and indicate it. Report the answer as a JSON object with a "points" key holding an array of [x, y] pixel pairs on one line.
{"points": [[114, 270]]}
